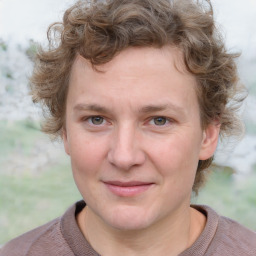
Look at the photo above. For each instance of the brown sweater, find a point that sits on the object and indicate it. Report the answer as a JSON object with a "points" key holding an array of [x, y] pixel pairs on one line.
{"points": [[62, 237]]}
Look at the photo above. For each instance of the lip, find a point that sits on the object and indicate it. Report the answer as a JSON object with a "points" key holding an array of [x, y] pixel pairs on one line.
{"points": [[128, 189]]}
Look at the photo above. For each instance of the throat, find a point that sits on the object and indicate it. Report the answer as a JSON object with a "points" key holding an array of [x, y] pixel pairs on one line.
{"points": [[197, 225], [170, 238]]}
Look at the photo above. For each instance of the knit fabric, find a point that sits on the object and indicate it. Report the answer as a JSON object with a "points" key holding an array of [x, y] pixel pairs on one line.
{"points": [[62, 236]]}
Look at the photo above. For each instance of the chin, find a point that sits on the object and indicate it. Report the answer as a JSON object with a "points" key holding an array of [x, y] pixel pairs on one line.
{"points": [[129, 218]]}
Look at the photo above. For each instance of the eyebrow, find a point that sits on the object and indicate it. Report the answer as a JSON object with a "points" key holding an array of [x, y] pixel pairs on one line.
{"points": [[144, 110], [91, 107], [157, 108]]}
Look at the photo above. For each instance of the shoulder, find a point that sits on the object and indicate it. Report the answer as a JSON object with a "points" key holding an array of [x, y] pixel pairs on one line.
{"points": [[61, 236], [47, 239], [27, 243], [222, 236], [230, 237], [235, 238]]}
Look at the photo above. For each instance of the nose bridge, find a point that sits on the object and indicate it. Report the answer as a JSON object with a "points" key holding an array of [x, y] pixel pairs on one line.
{"points": [[126, 150], [125, 137]]}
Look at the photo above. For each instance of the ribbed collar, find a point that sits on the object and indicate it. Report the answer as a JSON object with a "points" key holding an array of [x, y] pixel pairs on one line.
{"points": [[80, 246], [72, 233], [201, 245]]}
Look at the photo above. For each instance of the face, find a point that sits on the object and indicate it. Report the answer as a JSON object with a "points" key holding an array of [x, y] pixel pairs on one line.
{"points": [[134, 137]]}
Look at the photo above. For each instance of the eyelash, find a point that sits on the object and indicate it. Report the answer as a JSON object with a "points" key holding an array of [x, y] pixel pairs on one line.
{"points": [[89, 120], [151, 119], [167, 120]]}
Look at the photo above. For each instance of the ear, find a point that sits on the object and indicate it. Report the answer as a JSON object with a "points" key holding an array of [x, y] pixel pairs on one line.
{"points": [[210, 141], [65, 141]]}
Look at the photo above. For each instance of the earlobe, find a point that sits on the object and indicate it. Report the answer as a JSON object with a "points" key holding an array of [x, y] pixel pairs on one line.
{"points": [[65, 141], [210, 141]]}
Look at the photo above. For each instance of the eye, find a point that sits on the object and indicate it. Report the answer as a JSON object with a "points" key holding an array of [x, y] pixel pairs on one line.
{"points": [[160, 120], [96, 120]]}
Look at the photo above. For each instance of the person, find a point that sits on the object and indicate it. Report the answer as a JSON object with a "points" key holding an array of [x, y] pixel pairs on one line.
{"points": [[140, 91]]}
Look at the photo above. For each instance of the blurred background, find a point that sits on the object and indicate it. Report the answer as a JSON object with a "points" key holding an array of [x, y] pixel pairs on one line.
{"points": [[36, 183]]}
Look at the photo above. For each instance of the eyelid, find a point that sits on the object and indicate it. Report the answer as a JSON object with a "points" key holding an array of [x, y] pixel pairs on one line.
{"points": [[88, 119], [105, 120], [168, 120], [101, 119]]}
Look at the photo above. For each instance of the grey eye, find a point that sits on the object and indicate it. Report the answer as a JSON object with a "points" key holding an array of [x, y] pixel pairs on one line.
{"points": [[160, 120], [97, 120]]}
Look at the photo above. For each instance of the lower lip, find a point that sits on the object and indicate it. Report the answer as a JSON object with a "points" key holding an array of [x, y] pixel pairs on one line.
{"points": [[128, 191]]}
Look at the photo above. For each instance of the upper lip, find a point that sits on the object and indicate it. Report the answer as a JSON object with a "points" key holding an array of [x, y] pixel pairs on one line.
{"points": [[127, 183]]}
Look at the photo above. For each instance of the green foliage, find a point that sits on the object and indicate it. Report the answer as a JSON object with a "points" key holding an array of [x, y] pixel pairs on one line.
{"points": [[250, 127], [3, 45], [6, 72], [232, 196], [9, 75], [28, 200], [18, 136], [31, 125], [252, 88], [31, 50], [9, 88]]}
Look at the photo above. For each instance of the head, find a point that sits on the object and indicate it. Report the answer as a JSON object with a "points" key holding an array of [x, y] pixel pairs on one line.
{"points": [[99, 31]]}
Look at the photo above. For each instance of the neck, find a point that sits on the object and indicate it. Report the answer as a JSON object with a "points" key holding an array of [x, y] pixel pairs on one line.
{"points": [[170, 236]]}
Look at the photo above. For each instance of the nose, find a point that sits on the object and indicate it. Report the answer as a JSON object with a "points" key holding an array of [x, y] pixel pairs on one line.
{"points": [[126, 150]]}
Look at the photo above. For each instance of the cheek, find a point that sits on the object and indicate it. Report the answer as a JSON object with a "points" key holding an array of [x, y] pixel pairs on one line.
{"points": [[87, 154], [177, 156], [87, 160]]}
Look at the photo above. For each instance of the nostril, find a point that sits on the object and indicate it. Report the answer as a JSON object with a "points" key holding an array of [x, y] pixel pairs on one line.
{"points": [[121, 160], [126, 159]]}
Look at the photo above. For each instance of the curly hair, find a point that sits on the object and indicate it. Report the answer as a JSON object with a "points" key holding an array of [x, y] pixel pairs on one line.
{"points": [[100, 29]]}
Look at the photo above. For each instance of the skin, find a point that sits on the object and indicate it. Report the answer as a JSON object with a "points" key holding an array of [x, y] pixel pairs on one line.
{"points": [[137, 123]]}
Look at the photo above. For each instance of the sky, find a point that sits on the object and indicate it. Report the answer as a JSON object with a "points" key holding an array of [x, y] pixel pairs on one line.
{"points": [[21, 20]]}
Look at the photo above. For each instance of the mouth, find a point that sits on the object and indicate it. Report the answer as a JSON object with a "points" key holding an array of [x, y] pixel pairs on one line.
{"points": [[127, 189]]}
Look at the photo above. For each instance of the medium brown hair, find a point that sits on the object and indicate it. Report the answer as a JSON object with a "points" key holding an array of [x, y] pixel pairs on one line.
{"points": [[98, 30]]}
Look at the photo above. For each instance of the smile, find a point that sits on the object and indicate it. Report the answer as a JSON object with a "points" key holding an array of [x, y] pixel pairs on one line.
{"points": [[127, 189]]}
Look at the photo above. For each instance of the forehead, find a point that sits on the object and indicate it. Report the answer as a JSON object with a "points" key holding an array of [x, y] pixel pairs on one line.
{"points": [[143, 57], [137, 76]]}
